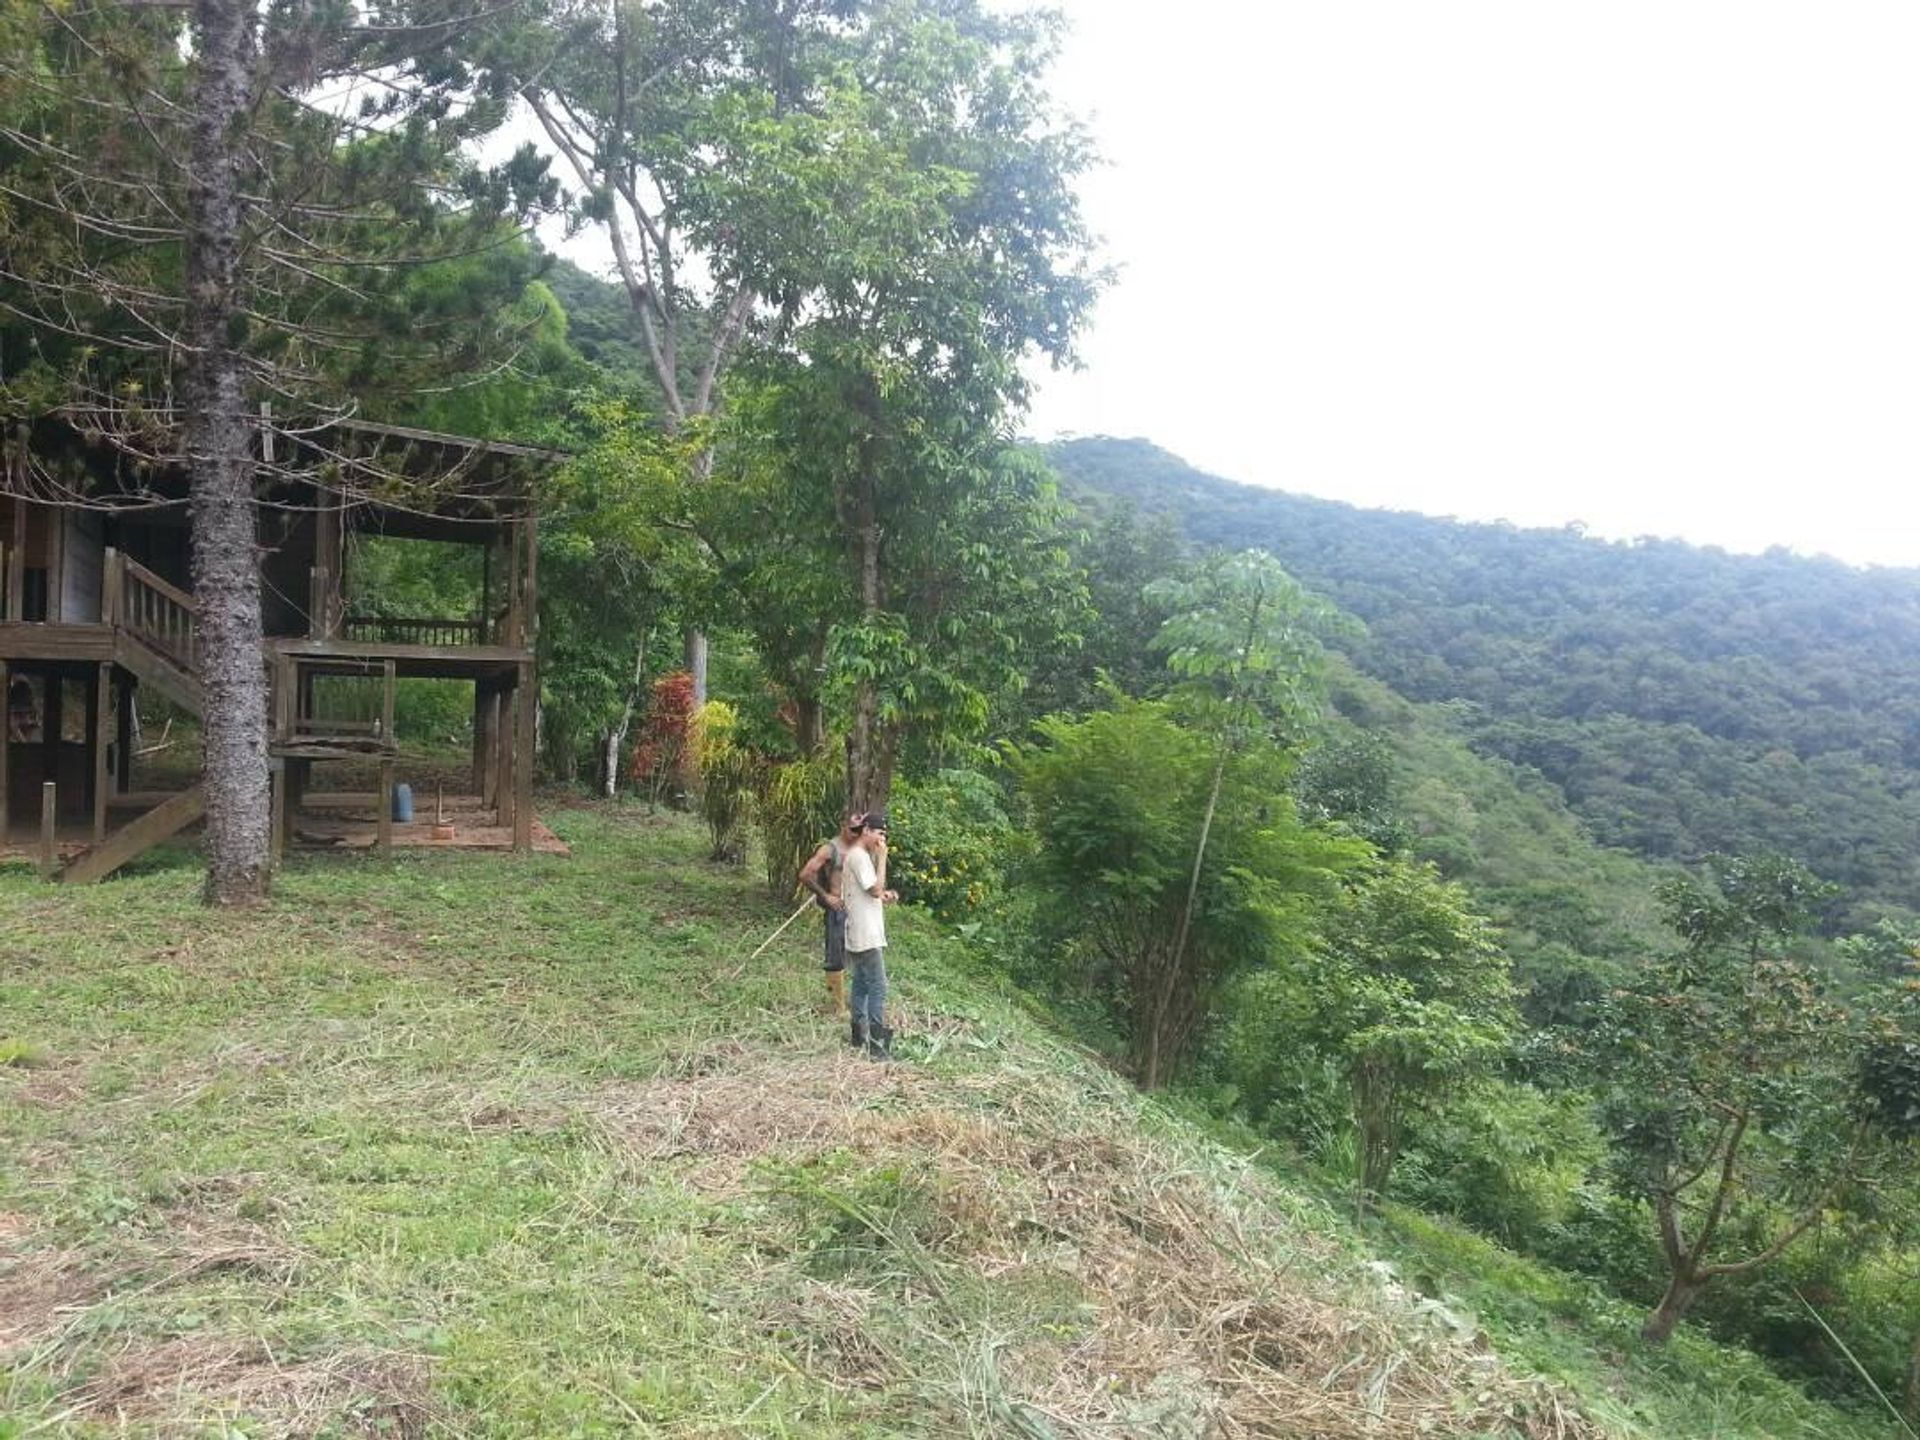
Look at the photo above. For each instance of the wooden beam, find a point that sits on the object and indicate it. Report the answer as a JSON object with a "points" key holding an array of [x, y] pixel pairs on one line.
{"points": [[56, 563], [277, 851], [6, 743], [387, 701], [384, 830], [49, 823], [133, 840], [526, 698], [103, 722], [79, 643], [17, 573]]}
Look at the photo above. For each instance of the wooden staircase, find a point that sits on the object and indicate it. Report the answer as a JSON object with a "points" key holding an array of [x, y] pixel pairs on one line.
{"points": [[154, 640]]}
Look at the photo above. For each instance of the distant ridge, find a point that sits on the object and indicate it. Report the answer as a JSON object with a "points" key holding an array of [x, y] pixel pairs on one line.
{"points": [[1683, 699]]}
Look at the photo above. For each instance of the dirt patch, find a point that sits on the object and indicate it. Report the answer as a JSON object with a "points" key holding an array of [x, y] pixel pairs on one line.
{"points": [[186, 1381], [39, 1291]]}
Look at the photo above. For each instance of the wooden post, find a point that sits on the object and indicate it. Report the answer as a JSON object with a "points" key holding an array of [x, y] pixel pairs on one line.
{"points": [[525, 698], [384, 830], [6, 743], [17, 575], [481, 739], [49, 820], [387, 683], [278, 844], [56, 564], [102, 744], [113, 581], [530, 584], [123, 738], [51, 723]]}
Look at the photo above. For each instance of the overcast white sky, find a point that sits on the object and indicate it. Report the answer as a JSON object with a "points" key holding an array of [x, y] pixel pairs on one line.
{"points": [[1652, 266]]}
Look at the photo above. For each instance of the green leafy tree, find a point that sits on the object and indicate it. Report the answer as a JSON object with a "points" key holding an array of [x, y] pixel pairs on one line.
{"points": [[1410, 991], [1114, 799], [1243, 640], [1743, 1098]]}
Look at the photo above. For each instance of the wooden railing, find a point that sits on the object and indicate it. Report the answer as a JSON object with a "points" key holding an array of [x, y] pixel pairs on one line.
{"points": [[140, 602], [391, 630]]}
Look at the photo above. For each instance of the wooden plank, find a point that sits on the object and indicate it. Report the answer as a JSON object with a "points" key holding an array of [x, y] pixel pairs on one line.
{"points": [[278, 825], [78, 643], [134, 840], [113, 586], [523, 716], [102, 747], [388, 696], [56, 564], [49, 823], [123, 737], [17, 578], [6, 743], [530, 621], [384, 821]]}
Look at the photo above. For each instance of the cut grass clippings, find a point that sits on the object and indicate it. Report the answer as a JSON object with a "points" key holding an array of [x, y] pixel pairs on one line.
{"points": [[477, 1145]]}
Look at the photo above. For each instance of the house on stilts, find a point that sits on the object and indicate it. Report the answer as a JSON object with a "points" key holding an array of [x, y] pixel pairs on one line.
{"points": [[97, 610]]}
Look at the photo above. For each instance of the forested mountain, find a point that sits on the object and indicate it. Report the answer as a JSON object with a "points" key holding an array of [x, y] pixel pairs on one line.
{"points": [[1683, 699]]}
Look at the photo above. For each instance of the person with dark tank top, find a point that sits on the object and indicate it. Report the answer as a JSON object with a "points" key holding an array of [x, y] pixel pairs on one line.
{"points": [[821, 874]]}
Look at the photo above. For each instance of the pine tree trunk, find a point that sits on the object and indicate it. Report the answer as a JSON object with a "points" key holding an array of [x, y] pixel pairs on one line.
{"points": [[1682, 1290], [226, 574]]}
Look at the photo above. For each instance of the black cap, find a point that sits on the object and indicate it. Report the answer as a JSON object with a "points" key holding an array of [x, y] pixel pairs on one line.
{"points": [[876, 819]]}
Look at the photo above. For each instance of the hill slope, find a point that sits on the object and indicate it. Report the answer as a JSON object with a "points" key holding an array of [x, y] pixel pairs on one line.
{"points": [[459, 1145], [1683, 700]]}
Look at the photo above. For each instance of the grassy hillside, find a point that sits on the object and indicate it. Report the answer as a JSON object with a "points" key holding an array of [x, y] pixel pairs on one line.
{"points": [[460, 1145], [1682, 699]]}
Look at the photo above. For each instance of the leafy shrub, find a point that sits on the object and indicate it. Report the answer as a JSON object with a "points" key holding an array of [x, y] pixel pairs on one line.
{"points": [[663, 748], [1118, 803], [1507, 1159], [797, 806], [727, 771], [952, 843]]}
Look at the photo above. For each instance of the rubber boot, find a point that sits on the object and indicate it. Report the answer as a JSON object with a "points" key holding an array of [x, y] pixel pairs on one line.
{"points": [[858, 1036], [880, 1042], [836, 992]]}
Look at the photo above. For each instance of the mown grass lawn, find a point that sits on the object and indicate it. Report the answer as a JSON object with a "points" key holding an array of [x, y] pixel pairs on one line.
{"points": [[474, 1145]]}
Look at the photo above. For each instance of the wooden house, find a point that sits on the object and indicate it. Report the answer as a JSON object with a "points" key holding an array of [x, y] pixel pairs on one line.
{"points": [[96, 605]]}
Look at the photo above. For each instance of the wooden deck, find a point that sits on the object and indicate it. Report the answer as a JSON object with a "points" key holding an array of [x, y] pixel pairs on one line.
{"points": [[32, 640]]}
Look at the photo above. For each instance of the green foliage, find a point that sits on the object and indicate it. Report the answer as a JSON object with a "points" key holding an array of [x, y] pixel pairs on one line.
{"points": [[1408, 990], [1683, 700], [1117, 799], [952, 846], [798, 806], [1740, 1096], [1508, 1159], [728, 772]]}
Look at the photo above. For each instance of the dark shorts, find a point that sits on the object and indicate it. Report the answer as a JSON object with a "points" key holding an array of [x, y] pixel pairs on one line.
{"points": [[836, 956]]}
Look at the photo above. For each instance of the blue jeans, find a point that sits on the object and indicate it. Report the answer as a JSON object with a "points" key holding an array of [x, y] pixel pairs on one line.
{"points": [[869, 999]]}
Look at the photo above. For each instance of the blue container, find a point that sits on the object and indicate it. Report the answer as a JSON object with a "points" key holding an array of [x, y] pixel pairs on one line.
{"points": [[403, 803]]}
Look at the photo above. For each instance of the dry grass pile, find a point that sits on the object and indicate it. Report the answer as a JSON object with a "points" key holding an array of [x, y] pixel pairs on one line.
{"points": [[176, 1384], [1071, 1273]]}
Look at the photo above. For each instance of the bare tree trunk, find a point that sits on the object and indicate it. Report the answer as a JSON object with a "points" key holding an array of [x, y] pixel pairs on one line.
{"points": [[1682, 1290], [697, 665], [226, 575], [617, 737]]}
